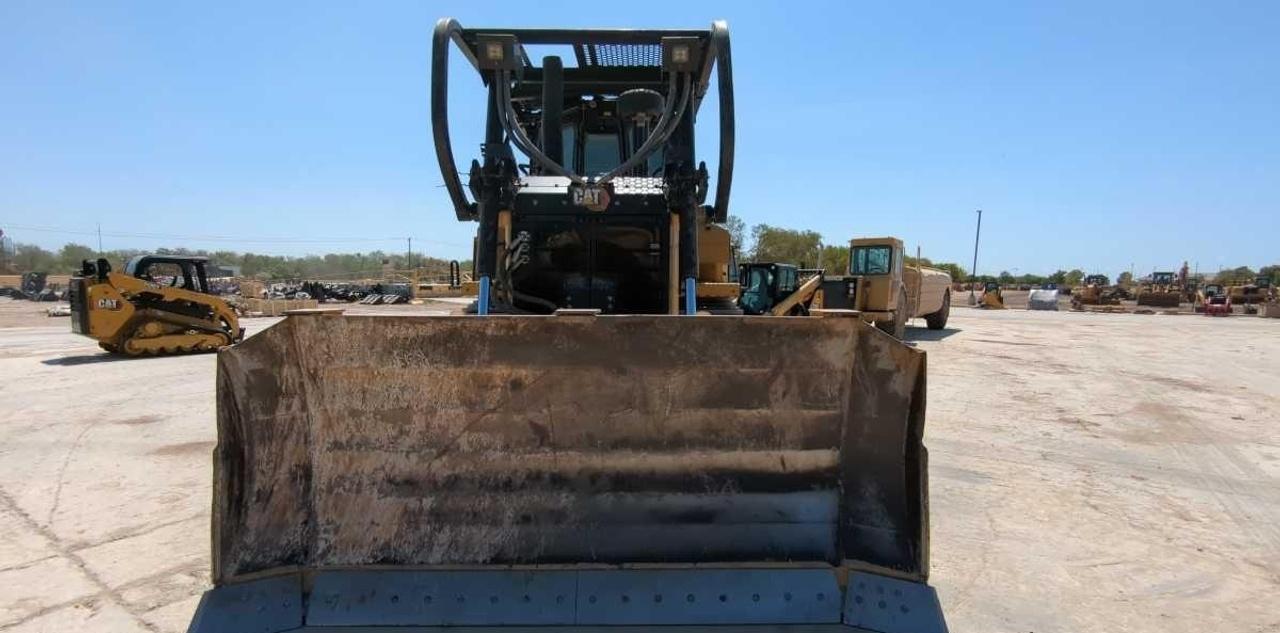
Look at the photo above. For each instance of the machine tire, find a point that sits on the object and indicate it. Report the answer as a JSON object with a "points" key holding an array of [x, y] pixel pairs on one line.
{"points": [[938, 320], [897, 328]]}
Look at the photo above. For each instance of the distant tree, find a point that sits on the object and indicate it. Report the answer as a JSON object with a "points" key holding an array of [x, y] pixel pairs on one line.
{"points": [[71, 255], [32, 258], [1005, 278], [1074, 277], [1125, 278], [835, 259], [1058, 277], [29, 257], [957, 272], [1237, 275], [775, 244], [737, 236], [1272, 271]]}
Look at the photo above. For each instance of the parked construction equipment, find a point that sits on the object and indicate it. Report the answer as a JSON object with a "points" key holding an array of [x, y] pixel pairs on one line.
{"points": [[1095, 291], [582, 469], [778, 289], [158, 305], [886, 291], [1257, 291], [879, 285], [1214, 300], [992, 298], [1161, 291]]}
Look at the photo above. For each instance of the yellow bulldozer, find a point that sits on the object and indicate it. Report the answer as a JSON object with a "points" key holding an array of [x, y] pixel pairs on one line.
{"points": [[588, 448], [159, 305], [1095, 291], [1252, 293], [1162, 290]]}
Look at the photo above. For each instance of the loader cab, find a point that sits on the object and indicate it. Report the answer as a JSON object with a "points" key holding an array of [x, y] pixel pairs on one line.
{"points": [[187, 273], [763, 285], [876, 265], [1162, 279], [1096, 280]]}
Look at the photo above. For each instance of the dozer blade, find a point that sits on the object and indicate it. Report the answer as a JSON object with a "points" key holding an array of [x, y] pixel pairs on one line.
{"points": [[363, 460]]}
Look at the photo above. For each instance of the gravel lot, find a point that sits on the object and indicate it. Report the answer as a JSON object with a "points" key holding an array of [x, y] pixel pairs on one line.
{"points": [[1089, 472]]}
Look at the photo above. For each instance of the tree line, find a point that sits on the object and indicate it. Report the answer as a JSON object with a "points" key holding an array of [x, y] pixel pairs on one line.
{"points": [[765, 243], [806, 249], [66, 260]]}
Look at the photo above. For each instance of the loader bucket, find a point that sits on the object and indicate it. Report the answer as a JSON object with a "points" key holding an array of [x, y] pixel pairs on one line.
{"points": [[384, 470]]}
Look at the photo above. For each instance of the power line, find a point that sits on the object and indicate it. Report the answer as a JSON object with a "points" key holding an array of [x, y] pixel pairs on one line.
{"points": [[220, 238]]}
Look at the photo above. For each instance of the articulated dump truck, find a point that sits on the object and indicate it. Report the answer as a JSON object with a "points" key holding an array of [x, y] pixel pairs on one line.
{"points": [[591, 448]]}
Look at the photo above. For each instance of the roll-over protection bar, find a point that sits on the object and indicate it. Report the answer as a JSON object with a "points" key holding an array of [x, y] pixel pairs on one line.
{"points": [[717, 55]]}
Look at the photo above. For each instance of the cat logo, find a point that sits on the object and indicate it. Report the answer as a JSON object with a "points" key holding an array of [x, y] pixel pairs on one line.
{"points": [[108, 304], [593, 197]]}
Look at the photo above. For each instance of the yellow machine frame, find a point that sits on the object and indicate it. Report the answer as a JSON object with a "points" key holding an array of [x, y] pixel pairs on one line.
{"points": [[139, 317]]}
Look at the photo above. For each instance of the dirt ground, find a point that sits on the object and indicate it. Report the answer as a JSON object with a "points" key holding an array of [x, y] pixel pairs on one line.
{"points": [[1089, 472]]}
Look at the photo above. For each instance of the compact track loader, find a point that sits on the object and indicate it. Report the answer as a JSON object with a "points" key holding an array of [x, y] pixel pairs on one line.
{"points": [[159, 305], [590, 448]]}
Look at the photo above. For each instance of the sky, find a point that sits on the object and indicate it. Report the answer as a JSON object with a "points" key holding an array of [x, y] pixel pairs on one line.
{"points": [[1093, 135]]}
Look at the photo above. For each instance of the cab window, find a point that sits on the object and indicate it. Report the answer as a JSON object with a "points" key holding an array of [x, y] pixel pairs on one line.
{"points": [[569, 141], [871, 260], [600, 153]]}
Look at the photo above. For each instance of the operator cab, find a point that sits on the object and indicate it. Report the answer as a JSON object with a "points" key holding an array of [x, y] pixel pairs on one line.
{"points": [[172, 271], [763, 285]]}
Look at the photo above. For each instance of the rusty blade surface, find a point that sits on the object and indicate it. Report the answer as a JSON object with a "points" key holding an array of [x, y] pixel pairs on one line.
{"points": [[373, 440]]}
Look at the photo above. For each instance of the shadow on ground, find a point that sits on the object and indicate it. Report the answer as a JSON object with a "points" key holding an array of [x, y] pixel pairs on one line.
{"points": [[86, 359], [924, 334]]}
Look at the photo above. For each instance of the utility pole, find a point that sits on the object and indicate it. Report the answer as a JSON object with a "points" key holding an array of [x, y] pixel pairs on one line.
{"points": [[99, 239], [409, 257], [974, 275]]}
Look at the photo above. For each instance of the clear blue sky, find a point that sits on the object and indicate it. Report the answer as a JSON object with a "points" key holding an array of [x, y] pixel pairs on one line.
{"points": [[1093, 134]]}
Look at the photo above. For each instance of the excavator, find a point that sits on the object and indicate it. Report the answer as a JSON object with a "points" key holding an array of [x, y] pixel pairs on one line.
{"points": [[589, 447], [159, 305]]}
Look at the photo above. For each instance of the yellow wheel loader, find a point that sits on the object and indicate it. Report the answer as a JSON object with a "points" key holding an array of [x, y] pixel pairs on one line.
{"points": [[589, 448], [158, 305]]}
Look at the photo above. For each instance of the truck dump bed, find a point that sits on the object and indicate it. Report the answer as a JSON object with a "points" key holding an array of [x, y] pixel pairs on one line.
{"points": [[569, 471]]}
